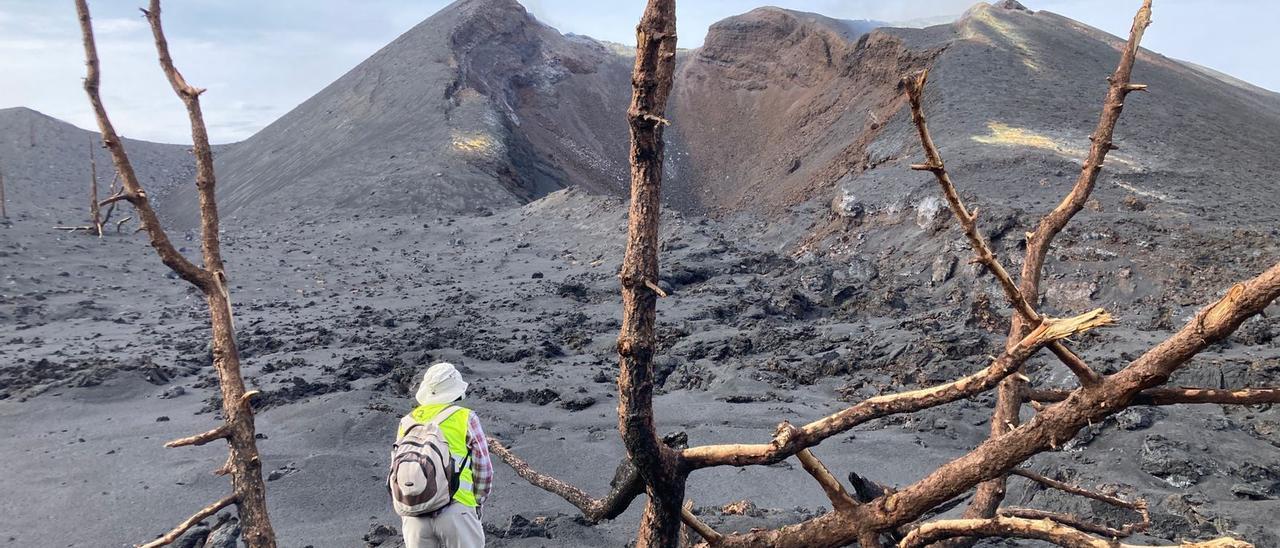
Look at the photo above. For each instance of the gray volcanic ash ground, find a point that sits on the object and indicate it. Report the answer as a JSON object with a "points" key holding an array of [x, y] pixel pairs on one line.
{"points": [[796, 288]]}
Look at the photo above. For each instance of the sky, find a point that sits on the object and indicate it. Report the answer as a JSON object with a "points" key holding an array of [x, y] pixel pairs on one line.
{"points": [[260, 59]]}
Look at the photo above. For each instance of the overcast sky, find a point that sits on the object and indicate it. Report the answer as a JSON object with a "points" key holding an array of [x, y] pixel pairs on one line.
{"points": [[261, 58]]}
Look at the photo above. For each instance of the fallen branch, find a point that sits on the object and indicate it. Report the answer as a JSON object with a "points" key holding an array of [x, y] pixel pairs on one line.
{"points": [[1066, 519], [625, 489], [835, 491], [1038, 529], [790, 440], [705, 531], [1176, 396], [1138, 505], [190, 522], [1055, 424]]}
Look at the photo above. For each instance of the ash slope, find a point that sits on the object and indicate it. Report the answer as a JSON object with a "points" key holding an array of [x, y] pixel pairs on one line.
{"points": [[483, 107], [776, 109], [478, 107], [45, 163]]}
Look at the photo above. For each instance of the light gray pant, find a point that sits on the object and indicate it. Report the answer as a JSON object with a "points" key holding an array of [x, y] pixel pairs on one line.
{"points": [[455, 526]]}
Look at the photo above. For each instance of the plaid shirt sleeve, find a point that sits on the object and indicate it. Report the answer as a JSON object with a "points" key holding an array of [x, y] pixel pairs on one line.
{"points": [[481, 464]]}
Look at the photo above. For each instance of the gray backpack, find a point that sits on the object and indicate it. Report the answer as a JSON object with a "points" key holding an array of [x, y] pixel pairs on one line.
{"points": [[423, 479]]}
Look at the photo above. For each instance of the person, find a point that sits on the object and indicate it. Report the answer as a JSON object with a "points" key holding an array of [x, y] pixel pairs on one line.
{"points": [[458, 524]]}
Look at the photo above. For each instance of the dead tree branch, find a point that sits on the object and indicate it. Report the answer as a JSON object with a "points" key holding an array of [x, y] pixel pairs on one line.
{"points": [[698, 526], [1176, 396], [1052, 426], [657, 464], [244, 464], [4, 213], [625, 489], [1009, 398], [791, 440], [835, 491], [968, 222], [1138, 505], [94, 208], [1065, 519], [190, 522], [221, 432], [1047, 530], [169, 255]]}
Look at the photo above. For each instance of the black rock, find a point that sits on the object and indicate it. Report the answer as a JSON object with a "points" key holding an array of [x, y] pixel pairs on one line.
{"points": [[379, 534], [577, 404]]}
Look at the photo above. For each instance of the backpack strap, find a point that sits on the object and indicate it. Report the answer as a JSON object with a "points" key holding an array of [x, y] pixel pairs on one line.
{"points": [[444, 415]]}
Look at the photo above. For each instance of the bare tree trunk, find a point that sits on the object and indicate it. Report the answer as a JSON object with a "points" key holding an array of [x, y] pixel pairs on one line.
{"points": [[244, 464], [94, 211], [4, 213], [657, 464]]}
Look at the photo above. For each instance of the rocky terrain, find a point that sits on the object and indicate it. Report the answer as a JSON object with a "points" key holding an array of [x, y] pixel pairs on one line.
{"points": [[807, 268]]}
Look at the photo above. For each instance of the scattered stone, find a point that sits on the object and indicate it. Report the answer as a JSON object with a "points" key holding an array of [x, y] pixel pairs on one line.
{"points": [[522, 527], [1168, 460], [172, 392], [542, 396], [577, 404], [379, 534], [1249, 492], [943, 267], [1137, 418]]}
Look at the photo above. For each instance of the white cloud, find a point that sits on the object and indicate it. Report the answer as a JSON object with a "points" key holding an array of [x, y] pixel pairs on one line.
{"points": [[118, 25]]}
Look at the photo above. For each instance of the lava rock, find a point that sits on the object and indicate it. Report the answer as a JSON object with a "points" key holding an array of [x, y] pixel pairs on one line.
{"points": [[379, 534]]}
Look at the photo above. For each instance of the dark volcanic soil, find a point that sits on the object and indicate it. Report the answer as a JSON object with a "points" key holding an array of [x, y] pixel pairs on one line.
{"points": [[104, 358], [387, 224]]}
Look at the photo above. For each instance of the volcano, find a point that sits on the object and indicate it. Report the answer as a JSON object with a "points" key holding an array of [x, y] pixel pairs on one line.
{"points": [[460, 196]]}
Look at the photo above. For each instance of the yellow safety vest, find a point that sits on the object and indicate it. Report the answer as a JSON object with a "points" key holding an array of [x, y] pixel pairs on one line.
{"points": [[454, 429]]}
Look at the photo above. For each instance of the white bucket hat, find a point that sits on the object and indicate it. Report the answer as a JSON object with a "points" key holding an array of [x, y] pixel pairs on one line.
{"points": [[442, 383]]}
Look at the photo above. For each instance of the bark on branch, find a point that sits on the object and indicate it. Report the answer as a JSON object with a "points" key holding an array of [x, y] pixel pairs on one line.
{"points": [[627, 486], [968, 222], [1038, 529], [1009, 398], [657, 464], [835, 491], [221, 432], [1176, 396], [791, 440], [190, 522], [243, 464]]}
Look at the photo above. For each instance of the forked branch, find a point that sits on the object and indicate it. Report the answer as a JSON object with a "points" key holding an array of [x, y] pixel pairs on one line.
{"points": [[914, 85], [150, 222], [625, 490], [790, 440]]}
